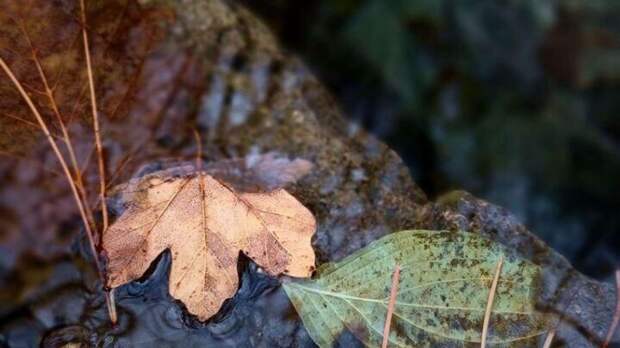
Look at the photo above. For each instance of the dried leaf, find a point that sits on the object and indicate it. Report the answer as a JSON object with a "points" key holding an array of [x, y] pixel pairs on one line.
{"points": [[443, 289], [205, 222]]}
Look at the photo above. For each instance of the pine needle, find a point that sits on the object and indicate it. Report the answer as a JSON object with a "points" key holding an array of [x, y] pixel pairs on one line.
{"points": [[391, 305], [487, 313]]}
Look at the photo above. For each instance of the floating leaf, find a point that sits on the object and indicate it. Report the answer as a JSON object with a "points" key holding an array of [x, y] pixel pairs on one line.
{"points": [[205, 222], [444, 285]]}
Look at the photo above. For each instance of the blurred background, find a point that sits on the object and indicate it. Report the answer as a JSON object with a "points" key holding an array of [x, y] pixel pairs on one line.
{"points": [[516, 101]]}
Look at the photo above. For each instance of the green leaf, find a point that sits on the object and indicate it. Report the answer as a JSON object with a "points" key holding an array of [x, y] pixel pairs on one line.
{"points": [[444, 285]]}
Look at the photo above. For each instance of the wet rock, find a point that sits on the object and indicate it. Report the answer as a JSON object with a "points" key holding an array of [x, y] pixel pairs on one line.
{"points": [[169, 67], [73, 336], [582, 308]]}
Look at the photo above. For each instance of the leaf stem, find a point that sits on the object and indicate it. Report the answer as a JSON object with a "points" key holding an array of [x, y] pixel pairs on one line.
{"points": [[487, 313], [391, 305]]}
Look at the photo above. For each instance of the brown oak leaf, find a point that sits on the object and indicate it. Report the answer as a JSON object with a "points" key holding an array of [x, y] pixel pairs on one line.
{"points": [[205, 223]]}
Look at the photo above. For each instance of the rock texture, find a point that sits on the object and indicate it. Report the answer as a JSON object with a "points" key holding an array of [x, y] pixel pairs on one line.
{"points": [[171, 66]]}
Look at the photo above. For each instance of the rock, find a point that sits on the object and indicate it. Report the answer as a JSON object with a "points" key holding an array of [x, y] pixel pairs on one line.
{"points": [[585, 307], [170, 66]]}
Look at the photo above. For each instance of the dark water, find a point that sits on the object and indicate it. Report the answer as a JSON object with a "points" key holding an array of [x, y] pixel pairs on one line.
{"points": [[71, 312]]}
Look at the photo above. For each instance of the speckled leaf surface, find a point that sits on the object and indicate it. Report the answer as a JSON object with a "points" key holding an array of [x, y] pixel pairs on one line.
{"points": [[444, 285]]}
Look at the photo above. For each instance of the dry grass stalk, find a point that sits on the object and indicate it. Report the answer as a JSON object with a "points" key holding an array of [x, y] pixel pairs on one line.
{"points": [[102, 182], [60, 158], [28, 123], [614, 323], [74, 178], [93, 102], [487, 313], [77, 173], [391, 305]]}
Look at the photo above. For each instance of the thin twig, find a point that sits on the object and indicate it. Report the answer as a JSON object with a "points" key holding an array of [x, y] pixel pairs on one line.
{"points": [[199, 152], [118, 170], [614, 323], [93, 102], [487, 313], [62, 161], [109, 294], [77, 105], [48, 92], [29, 123], [391, 305], [87, 160], [65, 133]]}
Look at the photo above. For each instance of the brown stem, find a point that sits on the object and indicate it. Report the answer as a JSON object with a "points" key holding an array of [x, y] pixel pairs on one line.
{"points": [[93, 102], [102, 192], [62, 162], [66, 137], [199, 151], [26, 122], [118, 170]]}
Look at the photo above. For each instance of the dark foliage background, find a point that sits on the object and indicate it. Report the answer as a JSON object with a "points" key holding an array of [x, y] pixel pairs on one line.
{"points": [[516, 101]]}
